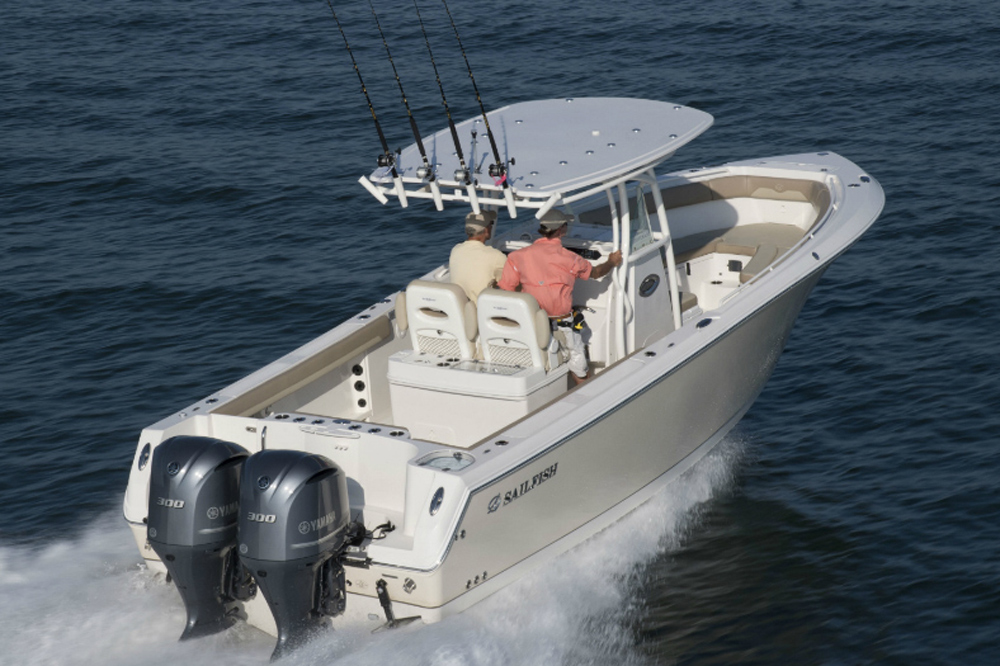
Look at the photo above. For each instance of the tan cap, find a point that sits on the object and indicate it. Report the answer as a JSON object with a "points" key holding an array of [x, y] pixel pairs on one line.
{"points": [[476, 223], [553, 219]]}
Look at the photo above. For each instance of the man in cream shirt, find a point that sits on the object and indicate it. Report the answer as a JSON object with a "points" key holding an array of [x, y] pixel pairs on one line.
{"points": [[473, 264]]}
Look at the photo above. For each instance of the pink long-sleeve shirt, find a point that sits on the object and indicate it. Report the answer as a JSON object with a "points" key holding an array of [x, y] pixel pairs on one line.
{"points": [[547, 271]]}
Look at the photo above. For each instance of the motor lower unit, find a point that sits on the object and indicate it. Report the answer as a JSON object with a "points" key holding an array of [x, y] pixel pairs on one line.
{"points": [[288, 511], [294, 526], [192, 527]]}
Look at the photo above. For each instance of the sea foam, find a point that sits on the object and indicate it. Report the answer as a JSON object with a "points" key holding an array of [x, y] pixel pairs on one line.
{"points": [[89, 601]]}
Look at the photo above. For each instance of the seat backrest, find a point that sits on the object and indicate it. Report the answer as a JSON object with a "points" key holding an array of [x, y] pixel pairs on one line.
{"points": [[441, 319], [513, 330]]}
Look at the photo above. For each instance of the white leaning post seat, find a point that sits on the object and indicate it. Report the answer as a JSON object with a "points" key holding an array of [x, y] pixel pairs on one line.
{"points": [[513, 330], [461, 402], [441, 319]]}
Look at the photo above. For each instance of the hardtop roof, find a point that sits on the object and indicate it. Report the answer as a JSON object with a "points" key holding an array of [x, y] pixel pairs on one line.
{"points": [[558, 146]]}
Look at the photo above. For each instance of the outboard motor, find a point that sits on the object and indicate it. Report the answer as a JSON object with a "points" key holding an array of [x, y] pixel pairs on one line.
{"points": [[192, 526], [294, 526]]}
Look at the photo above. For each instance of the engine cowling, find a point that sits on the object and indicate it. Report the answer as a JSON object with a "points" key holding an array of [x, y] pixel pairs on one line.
{"points": [[294, 524], [192, 526]]}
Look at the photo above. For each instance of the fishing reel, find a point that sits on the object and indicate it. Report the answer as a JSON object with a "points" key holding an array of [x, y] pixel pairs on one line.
{"points": [[498, 172], [426, 172], [463, 177], [386, 160]]}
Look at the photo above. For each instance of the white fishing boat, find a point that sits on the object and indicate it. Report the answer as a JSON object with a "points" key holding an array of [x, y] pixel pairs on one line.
{"points": [[429, 450]]}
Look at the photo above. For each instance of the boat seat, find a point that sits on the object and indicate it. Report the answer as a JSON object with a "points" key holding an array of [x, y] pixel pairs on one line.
{"points": [[459, 402], [763, 243], [782, 236], [440, 318], [761, 259], [744, 239], [688, 300], [513, 330]]}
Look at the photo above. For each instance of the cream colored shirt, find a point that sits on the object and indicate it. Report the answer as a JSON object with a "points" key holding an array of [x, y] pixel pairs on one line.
{"points": [[474, 265]]}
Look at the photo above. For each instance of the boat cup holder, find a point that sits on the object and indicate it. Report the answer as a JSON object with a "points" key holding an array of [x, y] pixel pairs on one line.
{"points": [[446, 461]]}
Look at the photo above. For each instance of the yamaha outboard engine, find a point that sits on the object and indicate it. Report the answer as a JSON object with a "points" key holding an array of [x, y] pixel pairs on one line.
{"points": [[192, 527], [294, 526]]}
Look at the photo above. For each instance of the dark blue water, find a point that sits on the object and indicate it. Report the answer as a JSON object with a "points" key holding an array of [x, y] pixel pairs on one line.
{"points": [[179, 206]]}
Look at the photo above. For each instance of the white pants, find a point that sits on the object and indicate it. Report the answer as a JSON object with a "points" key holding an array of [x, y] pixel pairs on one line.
{"points": [[572, 344]]}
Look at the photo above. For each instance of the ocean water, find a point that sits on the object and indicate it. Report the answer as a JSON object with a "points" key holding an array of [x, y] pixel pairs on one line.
{"points": [[179, 206]]}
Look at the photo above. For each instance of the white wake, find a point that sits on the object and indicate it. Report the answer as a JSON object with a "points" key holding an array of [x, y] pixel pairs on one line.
{"points": [[87, 601]]}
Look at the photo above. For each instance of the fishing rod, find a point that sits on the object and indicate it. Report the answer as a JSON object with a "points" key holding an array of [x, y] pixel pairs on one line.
{"points": [[462, 175], [386, 159], [498, 170], [427, 171]]}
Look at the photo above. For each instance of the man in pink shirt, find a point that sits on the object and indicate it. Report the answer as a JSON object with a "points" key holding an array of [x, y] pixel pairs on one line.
{"points": [[548, 271]]}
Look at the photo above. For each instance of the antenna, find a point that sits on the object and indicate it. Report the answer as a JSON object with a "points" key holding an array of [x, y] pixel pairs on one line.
{"points": [[498, 170], [462, 175], [386, 159], [427, 171]]}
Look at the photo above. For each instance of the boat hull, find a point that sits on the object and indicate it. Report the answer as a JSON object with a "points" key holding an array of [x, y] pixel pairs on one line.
{"points": [[452, 522]]}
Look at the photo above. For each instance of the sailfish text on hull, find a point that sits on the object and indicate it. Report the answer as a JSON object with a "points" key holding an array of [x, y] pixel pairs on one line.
{"points": [[524, 488]]}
